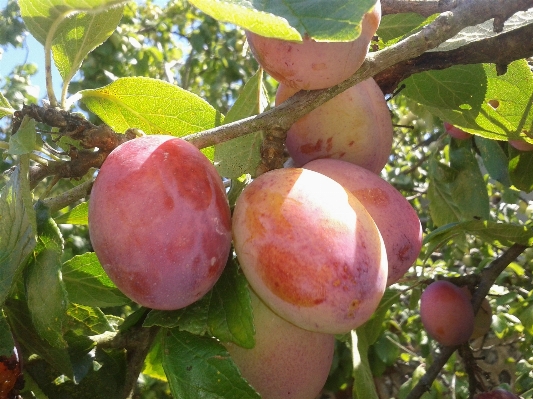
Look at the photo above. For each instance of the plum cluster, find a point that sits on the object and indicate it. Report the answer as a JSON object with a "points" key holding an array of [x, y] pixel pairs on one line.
{"points": [[318, 242]]}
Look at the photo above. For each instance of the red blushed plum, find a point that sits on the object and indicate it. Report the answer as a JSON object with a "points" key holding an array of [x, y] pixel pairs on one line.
{"points": [[396, 219], [287, 362], [455, 132], [354, 126], [521, 145], [159, 221], [311, 65], [310, 250], [446, 313]]}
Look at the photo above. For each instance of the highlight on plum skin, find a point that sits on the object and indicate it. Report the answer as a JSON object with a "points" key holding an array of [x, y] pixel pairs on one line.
{"points": [[446, 313], [312, 65], [287, 362], [394, 216], [310, 250], [159, 221], [355, 126]]}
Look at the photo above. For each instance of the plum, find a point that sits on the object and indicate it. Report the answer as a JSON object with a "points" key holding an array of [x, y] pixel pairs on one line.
{"points": [[354, 126], [521, 145], [455, 132], [287, 361], [310, 250], [446, 313], [159, 221], [311, 65], [396, 219]]}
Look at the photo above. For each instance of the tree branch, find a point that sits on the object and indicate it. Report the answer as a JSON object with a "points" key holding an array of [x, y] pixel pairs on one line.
{"points": [[444, 27], [421, 7], [488, 277]]}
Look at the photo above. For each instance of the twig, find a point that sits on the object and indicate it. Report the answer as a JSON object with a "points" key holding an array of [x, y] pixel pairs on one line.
{"points": [[66, 198]]}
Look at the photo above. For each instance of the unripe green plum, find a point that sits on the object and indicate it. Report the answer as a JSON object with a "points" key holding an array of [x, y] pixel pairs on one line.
{"points": [[311, 65], [354, 126], [446, 313], [159, 221], [287, 362], [310, 250], [396, 219]]}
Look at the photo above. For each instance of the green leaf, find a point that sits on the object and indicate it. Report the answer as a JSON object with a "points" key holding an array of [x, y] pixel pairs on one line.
{"points": [[85, 320], [79, 35], [457, 193], [23, 142], [332, 20], [46, 295], [224, 312], [22, 326], [151, 105], [153, 363], [365, 387], [18, 226], [200, 367], [5, 107], [520, 169], [242, 155], [230, 317], [494, 159], [77, 215], [88, 284], [372, 329], [6, 339], [395, 27], [479, 101], [499, 234], [44, 19]]}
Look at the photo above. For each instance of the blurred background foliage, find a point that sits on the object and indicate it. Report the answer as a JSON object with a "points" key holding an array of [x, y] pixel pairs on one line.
{"points": [[183, 46]]}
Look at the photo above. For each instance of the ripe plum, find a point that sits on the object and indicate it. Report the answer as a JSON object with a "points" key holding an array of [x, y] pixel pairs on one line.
{"points": [[310, 250], [396, 219], [159, 221]]}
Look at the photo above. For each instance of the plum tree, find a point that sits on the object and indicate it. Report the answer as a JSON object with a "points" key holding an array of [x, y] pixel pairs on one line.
{"points": [[354, 126], [446, 313], [287, 362], [310, 250], [455, 132], [159, 221], [395, 218], [314, 65]]}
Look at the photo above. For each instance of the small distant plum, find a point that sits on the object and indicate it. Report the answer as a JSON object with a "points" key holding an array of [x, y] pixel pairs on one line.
{"points": [[455, 132], [395, 218], [310, 250], [355, 126], [159, 221], [446, 313], [521, 145], [311, 65], [287, 362]]}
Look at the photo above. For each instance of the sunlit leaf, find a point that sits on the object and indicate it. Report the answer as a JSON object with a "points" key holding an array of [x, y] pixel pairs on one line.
{"points": [[18, 226], [520, 167], [88, 284], [494, 159], [78, 35], [365, 387], [200, 367], [291, 19], [5, 107], [77, 215], [151, 105], [85, 320], [242, 155]]}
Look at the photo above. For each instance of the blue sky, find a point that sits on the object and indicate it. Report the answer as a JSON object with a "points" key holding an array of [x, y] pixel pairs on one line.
{"points": [[33, 52]]}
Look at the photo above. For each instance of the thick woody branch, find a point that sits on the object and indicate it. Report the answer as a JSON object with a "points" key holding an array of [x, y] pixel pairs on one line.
{"points": [[501, 50], [421, 7], [444, 27]]}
